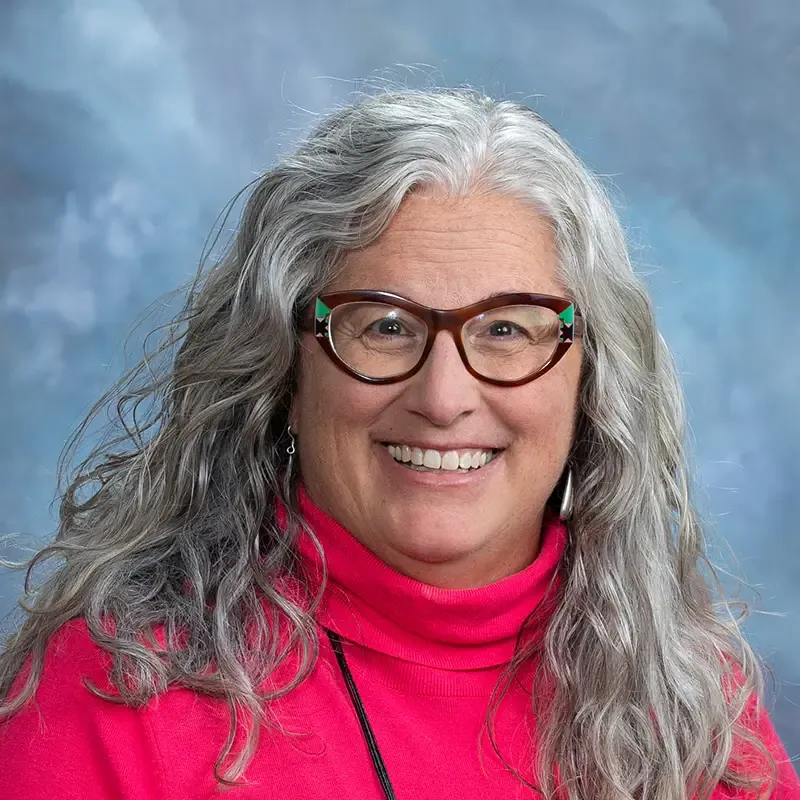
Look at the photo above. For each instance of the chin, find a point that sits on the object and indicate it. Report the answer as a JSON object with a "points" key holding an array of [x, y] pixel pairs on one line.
{"points": [[434, 544]]}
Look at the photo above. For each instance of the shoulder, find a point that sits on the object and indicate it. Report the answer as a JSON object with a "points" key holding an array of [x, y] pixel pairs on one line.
{"points": [[68, 742], [72, 662], [755, 720]]}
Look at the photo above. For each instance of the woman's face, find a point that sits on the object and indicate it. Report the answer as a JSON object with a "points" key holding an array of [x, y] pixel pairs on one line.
{"points": [[444, 528]]}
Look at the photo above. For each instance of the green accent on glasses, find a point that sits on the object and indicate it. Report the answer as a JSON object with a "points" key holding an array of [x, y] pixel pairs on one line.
{"points": [[321, 310], [567, 316]]}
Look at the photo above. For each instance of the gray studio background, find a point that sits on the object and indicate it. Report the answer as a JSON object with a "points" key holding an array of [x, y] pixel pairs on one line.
{"points": [[125, 127]]}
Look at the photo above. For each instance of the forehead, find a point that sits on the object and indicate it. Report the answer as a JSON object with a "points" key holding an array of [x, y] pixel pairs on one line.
{"points": [[448, 252]]}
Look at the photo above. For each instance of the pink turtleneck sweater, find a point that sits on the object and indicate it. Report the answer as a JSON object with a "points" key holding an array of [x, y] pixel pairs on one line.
{"points": [[424, 660]]}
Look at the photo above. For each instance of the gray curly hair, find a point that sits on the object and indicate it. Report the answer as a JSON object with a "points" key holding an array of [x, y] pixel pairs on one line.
{"points": [[170, 522]]}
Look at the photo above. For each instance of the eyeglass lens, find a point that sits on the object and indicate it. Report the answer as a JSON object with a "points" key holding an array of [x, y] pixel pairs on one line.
{"points": [[379, 340]]}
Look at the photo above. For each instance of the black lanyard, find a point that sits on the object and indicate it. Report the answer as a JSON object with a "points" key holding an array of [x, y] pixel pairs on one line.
{"points": [[372, 744]]}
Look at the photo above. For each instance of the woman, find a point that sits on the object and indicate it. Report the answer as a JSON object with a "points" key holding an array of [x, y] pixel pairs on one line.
{"points": [[409, 515]]}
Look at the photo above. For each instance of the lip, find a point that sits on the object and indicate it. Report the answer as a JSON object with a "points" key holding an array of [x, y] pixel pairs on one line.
{"points": [[439, 479]]}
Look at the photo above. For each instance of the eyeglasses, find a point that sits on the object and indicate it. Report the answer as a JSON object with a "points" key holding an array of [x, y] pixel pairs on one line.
{"points": [[506, 340]]}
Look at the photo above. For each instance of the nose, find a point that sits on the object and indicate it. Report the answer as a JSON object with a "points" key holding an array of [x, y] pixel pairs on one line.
{"points": [[443, 391]]}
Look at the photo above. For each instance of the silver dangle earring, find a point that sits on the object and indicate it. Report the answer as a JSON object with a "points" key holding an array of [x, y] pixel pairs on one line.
{"points": [[566, 500], [290, 450]]}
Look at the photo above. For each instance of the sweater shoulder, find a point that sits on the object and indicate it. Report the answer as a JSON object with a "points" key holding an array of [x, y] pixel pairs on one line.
{"points": [[65, 741], [72, 657], [73, 662]]}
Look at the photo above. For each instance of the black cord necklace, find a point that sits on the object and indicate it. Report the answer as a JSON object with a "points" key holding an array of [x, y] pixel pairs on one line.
{"points": [[372, 744]]}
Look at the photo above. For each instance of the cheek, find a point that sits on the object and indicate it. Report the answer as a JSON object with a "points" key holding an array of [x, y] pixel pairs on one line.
{"points": [[331, 405], [543, 417]]}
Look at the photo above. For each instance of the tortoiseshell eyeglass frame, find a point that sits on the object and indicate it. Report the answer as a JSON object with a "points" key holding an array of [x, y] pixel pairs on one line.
{"points": [[571, 326]]}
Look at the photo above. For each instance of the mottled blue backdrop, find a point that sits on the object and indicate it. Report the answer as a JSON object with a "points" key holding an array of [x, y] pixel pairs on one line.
{"points": [[125, 126]]}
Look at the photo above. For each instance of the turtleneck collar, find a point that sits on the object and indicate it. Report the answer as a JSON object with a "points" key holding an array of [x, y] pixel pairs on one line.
{"points": [[368, 602]]}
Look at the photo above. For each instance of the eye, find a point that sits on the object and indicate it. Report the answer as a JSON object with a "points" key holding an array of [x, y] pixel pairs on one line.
{"points": [[388, 326], [503, 329]]}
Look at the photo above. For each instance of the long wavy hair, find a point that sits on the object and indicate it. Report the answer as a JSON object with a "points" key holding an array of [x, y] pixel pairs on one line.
{"points": [[169, 524]]}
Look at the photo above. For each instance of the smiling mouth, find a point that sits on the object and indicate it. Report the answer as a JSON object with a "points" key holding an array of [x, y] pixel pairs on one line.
{"points": [[429, 460]]}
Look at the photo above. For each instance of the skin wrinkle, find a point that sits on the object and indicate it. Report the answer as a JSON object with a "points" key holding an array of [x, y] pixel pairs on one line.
{"points": [[445, 537]]}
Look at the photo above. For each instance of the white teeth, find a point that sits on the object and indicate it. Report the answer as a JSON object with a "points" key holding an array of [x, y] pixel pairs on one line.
{"points": [[450, 460], [432, 459]]}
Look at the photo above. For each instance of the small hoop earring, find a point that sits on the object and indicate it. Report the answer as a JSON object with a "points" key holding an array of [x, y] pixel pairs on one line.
{"points": [[290, 451], [566, 499]]}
